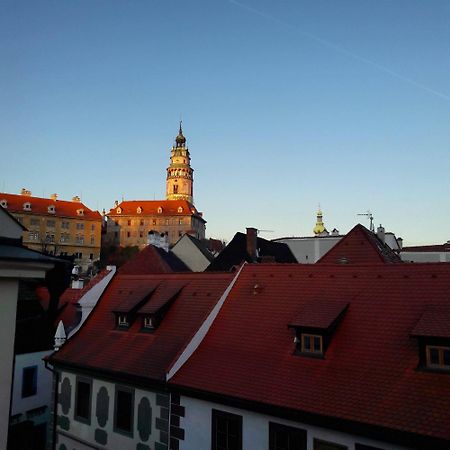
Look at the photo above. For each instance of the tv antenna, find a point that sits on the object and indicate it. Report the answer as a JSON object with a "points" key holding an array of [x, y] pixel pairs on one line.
{"points": [[369, 215], [265, 231]]}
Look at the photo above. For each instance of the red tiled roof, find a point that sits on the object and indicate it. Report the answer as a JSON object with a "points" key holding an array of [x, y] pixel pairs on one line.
{"points": [[166, 291], [153, 260], [98, 345], [319, 313], [150, 207], [369, 374], [360, 246], [435, 322], [63, 208]]}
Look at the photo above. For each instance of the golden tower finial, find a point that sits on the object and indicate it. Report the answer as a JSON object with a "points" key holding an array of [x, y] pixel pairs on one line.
{"points": [[320, 227]]}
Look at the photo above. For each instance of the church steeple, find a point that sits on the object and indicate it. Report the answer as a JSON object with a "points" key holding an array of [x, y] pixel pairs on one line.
{"points": [[320, 227], [180, 179]]}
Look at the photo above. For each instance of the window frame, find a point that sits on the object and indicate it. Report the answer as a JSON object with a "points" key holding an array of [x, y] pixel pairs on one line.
{"points": [[215, 416], [122, 321], [116, 429], [317, 442], [76, 416], [440, 365], [278, 427], [311, 350]]}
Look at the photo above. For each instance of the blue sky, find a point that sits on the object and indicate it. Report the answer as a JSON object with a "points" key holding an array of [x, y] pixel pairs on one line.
{"points": [[285, 104]]}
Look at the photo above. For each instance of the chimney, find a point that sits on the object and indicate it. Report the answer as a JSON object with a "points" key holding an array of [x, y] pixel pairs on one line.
{"points": [[400, 242], [76, 199], [252, 237], [54, 197], [25, 192], [116, 204], [381, 233]]}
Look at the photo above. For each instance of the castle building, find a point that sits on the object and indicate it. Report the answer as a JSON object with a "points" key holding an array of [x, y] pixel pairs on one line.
{"points": [[132, 222], [56, 227]]}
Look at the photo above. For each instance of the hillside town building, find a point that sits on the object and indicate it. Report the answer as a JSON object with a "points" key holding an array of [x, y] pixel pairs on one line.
{"points": [[130, 222], [57, 227]]}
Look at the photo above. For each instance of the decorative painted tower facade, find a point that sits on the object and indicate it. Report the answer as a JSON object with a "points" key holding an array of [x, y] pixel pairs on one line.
{"points": [[180, 175]]}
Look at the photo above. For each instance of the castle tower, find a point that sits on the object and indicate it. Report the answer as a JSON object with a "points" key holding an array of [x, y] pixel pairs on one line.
{"points": [[180, 179]]}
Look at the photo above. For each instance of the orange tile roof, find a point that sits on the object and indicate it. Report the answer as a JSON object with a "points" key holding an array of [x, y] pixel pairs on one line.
{"points": [[150, 208], [63, 208]]}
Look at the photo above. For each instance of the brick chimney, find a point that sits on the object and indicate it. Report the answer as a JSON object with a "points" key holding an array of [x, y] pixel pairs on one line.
{"points": [[252, 237]]}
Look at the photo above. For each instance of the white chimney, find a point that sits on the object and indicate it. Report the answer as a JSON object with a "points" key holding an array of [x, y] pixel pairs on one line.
{"points": [[381, 234]]}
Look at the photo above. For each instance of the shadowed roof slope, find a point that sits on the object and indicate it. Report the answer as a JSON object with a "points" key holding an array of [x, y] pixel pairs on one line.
{"points": [[153, 260], [236, 252], [100, 346], [360, 246], [368, 377]]}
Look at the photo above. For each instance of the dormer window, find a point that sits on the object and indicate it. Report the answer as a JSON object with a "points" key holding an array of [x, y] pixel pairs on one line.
{"points": [[122, 321], [80, 212], [180, 209], [51, 209], [139, 210], [160, 210], [148, 323], [433, 335], [4, 203], [311, 343], [315, 325], [119, 210], [27, 206]]}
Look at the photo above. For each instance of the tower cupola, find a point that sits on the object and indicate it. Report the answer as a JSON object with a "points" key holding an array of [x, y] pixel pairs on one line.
{"points": [[180, 179]]}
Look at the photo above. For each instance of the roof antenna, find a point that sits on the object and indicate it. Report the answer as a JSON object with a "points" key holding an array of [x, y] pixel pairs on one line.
{"points": [[369, 215]]}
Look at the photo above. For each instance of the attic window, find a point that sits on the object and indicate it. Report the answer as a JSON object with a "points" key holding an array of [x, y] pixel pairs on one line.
{"points": [[122, 321], [148, 323], [119, 210], [315, 325], [180, 209], [4, 203], [139, 210], [433, 334], [51, 209], [311, 343], [80, 212], [160, 210], [27, 206], [438, 357]]}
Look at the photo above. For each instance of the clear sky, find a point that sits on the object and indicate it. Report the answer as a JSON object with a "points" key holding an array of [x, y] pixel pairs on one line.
{"points": [[285, 104]]}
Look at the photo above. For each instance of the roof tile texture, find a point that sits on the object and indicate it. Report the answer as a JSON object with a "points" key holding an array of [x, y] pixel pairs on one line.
{"points": [[369, 373]]}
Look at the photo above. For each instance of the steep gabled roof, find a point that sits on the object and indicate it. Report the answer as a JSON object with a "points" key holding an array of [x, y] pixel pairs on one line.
{"points": [[368, 379], [63, 208], [101, 347], [360, 246], [153, 260], [236, 252]]}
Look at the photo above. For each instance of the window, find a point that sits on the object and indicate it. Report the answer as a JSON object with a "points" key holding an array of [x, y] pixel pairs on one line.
{"points": [[80, 212], [51, 223], [129, 222], [78, 255], [83, 400], [119, 210], [79, 239], [148, 322], [311, 343], [27, 206], [141, 223], [33, 235], [49, 238], [325, 445], [139, 210], [65, 225], [167, 221], [51, 209], [4, 203], [93, 227], [123, 411], [92, 239], [80, 226], [180, 221], [282, 437], [29, 381], [128, 234], [64, 237], [122, 321], [160, 210], [91, 256], [34, 222], [175, 188], [226, 431], [154, 221], [438, 357], [180, 209], [141, 234]]}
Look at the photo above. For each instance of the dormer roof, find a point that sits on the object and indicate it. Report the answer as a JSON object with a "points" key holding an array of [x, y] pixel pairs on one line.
{"points": [[434, 322]]}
